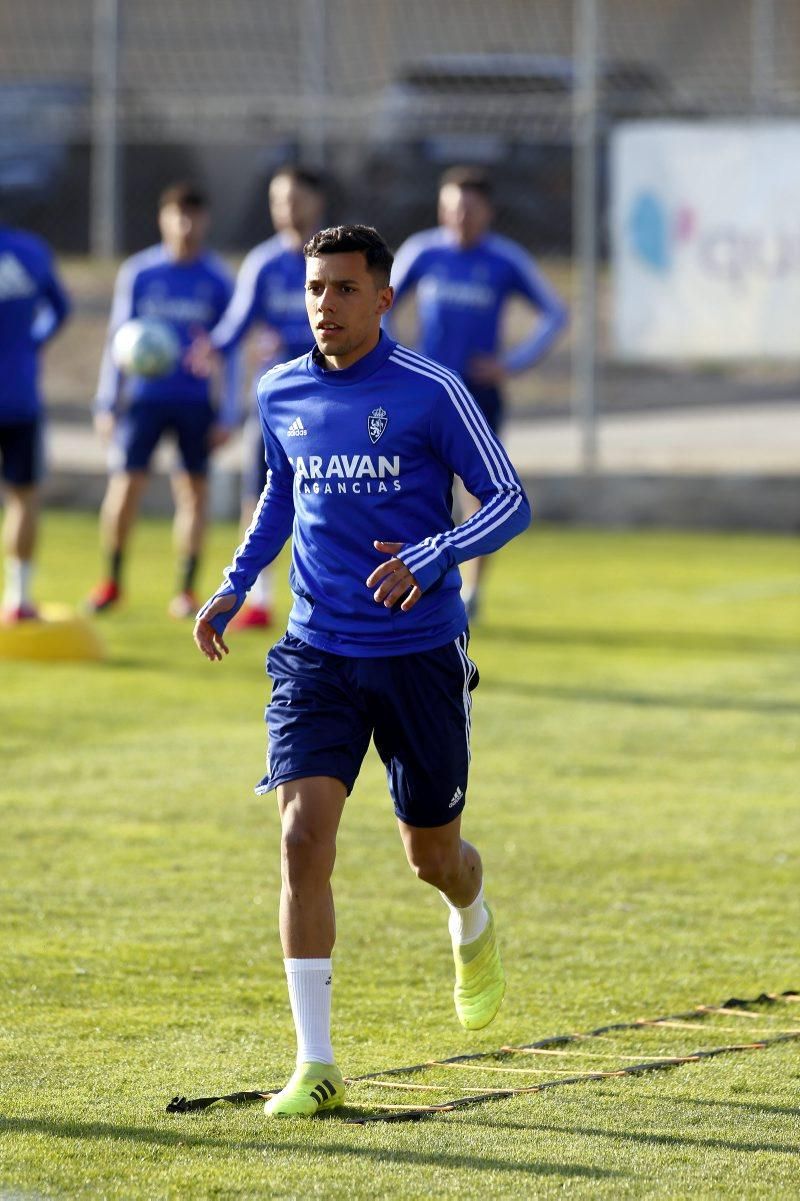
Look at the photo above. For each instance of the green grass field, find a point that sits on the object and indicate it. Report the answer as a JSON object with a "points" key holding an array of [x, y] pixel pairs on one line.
{"points": [[634, 794]]}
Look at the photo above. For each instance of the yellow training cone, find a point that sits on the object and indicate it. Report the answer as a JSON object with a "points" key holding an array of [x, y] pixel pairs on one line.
{"points": [[59, 633]]}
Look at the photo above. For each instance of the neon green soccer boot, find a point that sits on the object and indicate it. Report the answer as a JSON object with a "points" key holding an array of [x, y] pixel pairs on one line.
{"points": [[313, 1087], [480, 979]]}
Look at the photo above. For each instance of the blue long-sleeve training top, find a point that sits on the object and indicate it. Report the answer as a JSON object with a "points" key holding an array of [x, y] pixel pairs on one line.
{"points": [[33, 304], [364, 454], [461, 293], [191, 297], [270, 288]]}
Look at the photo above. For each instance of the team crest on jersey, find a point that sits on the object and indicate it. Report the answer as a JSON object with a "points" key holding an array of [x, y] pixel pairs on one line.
{"points": [[376, 424]]}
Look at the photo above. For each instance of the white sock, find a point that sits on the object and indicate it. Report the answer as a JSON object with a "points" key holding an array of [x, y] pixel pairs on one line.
{"points": [[467, 924], [261, 592], [18, 575], [309, 983]]}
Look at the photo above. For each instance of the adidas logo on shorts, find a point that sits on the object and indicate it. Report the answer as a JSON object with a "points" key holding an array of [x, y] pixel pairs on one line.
{"points": [[457, 795], [297, 429]]}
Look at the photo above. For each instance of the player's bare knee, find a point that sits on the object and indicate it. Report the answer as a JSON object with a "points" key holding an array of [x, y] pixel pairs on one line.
{"points": [[190, 493], [304, 853], [435, 866]]}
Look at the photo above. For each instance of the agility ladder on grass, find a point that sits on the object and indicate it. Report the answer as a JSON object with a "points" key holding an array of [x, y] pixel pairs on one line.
{"points": [[545, 1046]]}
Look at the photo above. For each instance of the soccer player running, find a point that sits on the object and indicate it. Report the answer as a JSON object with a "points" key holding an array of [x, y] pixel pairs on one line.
{"points": [[464, 275], [363, 440], [270, 292], [180, 282], [33, 305]]}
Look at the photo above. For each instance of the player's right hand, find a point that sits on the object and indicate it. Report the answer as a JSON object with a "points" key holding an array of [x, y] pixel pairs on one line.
{"points": [[218, 436], [206, 639], [200, 356]]}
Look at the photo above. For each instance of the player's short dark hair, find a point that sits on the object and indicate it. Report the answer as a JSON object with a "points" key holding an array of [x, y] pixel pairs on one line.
{"points": [[186, 194], [307, 177], [472, 179], [346, 239]]}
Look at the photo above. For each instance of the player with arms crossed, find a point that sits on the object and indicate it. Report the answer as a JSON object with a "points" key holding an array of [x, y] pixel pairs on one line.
{"points": [[180, 282], [270, 291], [464, 275], [363, 440], [33, 305]]}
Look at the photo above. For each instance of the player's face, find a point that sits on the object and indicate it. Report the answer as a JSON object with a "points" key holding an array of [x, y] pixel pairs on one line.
{"points": [[345, 304], [465, 213], [183, 229], [293, 206]]}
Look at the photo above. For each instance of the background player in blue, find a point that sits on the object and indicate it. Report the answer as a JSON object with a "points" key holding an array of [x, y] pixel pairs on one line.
{"points": [[464, 275], [182, 283], [270, 292], [363, 439], [33, 304]]}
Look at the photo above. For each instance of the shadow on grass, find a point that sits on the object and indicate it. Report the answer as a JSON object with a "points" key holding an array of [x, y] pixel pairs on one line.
{"points": [[754, 1107], [657, 1140], [191, 668], [700, 641], [182, 1138], [653, 700]]}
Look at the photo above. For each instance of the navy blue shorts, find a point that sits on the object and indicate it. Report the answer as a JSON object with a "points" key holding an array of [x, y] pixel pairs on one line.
{"points": [[417, 707], [490, 403], [254, 465], [21, 452], [141, 428]]}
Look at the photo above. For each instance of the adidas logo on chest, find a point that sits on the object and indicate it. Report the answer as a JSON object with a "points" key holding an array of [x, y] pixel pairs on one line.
{"points": [[297, 429]]}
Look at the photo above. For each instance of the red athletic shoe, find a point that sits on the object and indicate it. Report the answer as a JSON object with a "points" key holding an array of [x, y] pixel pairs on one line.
{"points": [[183, 605], [103, 597], [252, 617], [12, 617]]}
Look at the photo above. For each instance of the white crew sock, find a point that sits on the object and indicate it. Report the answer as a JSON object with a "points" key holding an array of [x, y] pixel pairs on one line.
{"points": [[261, 592], [467, 924], [309, 983], [18, 576]]}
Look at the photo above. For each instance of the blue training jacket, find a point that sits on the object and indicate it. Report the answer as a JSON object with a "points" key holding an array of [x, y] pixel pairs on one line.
{"points": [[270, 288], [364, 454], [190, 296], [33, 304], [461, 294]]}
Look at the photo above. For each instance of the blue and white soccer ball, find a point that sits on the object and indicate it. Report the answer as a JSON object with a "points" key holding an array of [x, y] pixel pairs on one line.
{"points": [[146, 346]]}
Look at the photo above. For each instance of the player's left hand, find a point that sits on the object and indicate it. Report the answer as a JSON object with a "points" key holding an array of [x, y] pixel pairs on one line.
{"points": [[104, 423], [486, 370], [269, 344], [392, 579], [218, 435]]}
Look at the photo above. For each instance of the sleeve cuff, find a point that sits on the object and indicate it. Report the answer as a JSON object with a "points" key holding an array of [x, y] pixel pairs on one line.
{"points": [[429, 572], [219, 622]]}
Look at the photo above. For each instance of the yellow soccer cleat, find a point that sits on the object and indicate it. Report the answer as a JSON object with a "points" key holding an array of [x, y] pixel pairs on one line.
{"points": [[313, 1087], [480, 979]]}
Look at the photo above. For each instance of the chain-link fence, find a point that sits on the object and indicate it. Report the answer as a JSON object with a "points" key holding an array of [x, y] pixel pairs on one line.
{"points": [[382, 93], [103, 102]]}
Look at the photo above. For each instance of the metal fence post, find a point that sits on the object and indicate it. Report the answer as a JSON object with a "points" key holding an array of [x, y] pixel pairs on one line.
{"points": [[584, 204], [104, 218], [314, 82], [762, 54]]}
